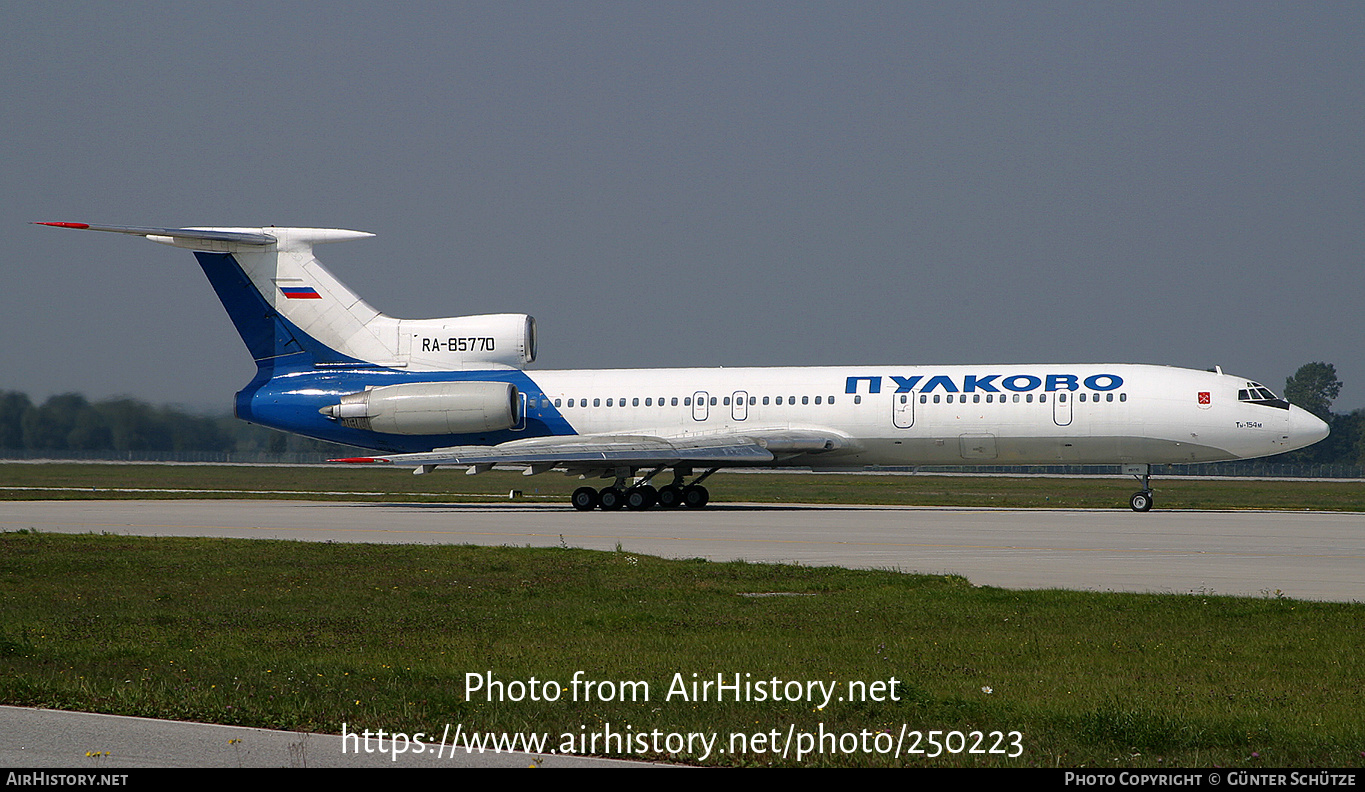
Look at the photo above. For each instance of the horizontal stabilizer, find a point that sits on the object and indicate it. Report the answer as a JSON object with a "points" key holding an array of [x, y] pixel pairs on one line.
{"points": [[204, 234], [217, 239]]}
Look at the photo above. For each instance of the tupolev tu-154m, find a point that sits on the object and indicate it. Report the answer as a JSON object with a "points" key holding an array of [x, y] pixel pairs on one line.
{"points": [[455, 391]]}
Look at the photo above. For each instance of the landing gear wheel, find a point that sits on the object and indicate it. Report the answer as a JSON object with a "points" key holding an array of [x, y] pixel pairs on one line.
{"points": [[1141, 501], [695, 496], [611, 498], [584, 499], [670, 496], [638, 498]]}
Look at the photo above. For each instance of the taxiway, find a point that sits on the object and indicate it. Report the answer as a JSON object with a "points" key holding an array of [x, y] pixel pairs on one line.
{"points": [[1305, 555]]}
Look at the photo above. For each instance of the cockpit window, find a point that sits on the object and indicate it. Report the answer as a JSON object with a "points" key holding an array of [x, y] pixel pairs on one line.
{"points": [[1256, 393]]}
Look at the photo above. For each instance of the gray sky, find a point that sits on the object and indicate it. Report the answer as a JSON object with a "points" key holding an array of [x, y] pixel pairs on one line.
{"points": [[699, 184]]}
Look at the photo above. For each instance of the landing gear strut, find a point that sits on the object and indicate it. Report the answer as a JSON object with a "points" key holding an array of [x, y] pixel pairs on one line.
{"points": [[1142, 499]]}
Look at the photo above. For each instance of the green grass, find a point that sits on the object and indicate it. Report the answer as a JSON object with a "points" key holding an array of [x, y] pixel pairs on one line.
{"points": [[308, 636], [347, 482]]}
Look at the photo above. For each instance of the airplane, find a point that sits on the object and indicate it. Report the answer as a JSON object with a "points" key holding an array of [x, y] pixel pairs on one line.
{"points": [[455, 392]]}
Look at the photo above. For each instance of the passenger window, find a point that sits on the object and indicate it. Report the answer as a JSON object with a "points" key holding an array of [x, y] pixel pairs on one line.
{"points": [[753, 400], [597, 402], [687, 401], [635, 402], [1029, 398], [674, 402], [817, 399], [1016, 398], [765, 399], [1042, 397], [713, 401], [858, 399], [830, 400], [1108, 397], [556, 404], [649, 402], [935, 398], [727, 401], [805, 400], [923, 399], [1123, 397]]}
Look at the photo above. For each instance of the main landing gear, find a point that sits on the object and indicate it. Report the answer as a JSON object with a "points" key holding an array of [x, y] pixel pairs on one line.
{"points": [[1142, 499], [643, 496]]}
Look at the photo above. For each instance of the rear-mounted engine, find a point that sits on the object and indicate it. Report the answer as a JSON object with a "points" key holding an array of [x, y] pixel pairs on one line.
{"points": [[430, 408]]}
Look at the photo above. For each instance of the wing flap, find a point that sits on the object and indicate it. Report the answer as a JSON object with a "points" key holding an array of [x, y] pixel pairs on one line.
{"points": [[596, 450]]}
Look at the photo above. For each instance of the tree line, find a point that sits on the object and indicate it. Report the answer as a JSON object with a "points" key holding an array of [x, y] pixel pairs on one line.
{"points": [[1314, 387], [71, 422]]}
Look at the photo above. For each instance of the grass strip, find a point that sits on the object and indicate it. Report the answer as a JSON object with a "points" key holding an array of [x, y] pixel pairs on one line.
{"points": [[310, 636]]}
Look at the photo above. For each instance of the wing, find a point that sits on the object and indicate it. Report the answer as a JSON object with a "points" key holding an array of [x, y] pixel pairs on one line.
{"points": [[585, 453]]}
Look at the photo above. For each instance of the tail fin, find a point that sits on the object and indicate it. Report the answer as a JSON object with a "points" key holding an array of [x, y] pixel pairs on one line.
{"points": [[285, 304], [288, 309], [294, 314]]}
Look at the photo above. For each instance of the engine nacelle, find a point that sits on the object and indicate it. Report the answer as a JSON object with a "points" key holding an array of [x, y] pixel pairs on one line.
{"points": [[463, 342], [431, 408]]}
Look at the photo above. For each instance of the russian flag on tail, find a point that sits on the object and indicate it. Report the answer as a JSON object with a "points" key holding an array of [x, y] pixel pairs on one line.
{"points": [[300, 293]]}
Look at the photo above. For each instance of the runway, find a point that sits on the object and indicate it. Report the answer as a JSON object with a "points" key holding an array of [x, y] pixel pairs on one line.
{"points": [[1303, 555]]}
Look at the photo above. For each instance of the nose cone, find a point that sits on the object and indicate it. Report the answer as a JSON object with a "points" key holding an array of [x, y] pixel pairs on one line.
{"points": [[1304, 429]]}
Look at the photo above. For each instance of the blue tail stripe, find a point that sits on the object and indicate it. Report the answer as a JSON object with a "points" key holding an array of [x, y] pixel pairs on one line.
{"points": [[271, 338], [257, 323]]}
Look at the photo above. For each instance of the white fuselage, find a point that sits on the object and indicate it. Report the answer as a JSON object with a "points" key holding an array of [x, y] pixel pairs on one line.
{"points": [[915, 415]]}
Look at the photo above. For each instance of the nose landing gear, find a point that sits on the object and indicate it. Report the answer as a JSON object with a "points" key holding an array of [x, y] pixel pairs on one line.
{"points": [[1142, 499]]}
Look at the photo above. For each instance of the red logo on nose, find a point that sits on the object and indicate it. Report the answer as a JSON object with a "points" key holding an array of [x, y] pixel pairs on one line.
{"points": [[1204, 397]]}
